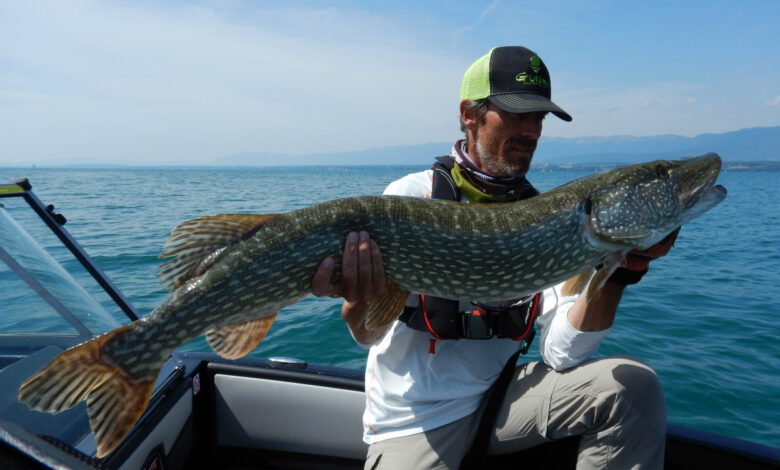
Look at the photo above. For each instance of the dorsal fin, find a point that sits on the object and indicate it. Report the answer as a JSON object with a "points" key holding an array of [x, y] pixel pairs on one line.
{"points": [[234, 341], [194, 241]]}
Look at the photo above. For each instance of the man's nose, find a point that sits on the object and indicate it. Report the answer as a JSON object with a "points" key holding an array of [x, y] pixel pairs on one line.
{"points": [[531, 126]]}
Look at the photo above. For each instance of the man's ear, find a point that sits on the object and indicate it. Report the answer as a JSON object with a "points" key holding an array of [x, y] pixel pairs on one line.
{"points": [[468, 117]]}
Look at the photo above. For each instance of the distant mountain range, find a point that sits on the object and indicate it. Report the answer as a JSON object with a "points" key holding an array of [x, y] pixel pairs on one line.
{"points": [[746, 145], [753, 144]]}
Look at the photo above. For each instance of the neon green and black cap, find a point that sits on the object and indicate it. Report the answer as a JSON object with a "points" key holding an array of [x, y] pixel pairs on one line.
{"points": [[513, 78]]}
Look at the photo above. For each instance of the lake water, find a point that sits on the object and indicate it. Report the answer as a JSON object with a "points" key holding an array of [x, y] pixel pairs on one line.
{"points": [[706, 318]]}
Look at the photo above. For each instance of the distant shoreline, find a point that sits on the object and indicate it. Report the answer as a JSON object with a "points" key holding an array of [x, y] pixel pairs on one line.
{"points": [[767, 165], [751, 149]]}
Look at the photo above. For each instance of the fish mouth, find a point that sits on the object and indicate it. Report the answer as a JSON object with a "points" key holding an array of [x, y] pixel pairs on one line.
{"points": [[710, 199], [697, 191]]}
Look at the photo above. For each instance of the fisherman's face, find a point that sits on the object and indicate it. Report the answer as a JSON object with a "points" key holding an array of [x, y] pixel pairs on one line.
{"points": [[505, 142]]}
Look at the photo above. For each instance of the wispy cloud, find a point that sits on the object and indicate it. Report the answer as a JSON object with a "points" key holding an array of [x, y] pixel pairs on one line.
{"points": [[488, 10], [455, 35], [459, 31], [774, 102]]}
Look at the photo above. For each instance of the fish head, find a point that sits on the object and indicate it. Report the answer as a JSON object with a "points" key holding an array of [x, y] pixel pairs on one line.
{"points": [[636, 206]]}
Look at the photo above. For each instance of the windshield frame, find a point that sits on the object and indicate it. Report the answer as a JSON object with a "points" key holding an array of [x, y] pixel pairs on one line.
{"points": [[55, 222]]}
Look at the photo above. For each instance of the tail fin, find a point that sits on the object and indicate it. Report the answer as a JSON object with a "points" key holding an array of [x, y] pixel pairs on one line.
{"points": [[115, 401]]}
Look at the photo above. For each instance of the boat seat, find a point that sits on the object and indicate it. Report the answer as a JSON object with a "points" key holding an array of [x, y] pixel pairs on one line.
{"points": [[258, 413]]}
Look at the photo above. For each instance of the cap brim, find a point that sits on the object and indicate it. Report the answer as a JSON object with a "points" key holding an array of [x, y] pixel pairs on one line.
{"points": [[527, 103]]}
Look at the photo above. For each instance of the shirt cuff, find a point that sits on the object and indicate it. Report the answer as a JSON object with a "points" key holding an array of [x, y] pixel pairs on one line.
{"points": [[568, 347]]}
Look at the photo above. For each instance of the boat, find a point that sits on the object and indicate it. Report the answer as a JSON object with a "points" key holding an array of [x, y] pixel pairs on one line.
{"points": [[205, 411]]}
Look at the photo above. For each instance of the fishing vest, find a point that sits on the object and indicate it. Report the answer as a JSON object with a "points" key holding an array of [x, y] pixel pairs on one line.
{"points": [[454, 319]]}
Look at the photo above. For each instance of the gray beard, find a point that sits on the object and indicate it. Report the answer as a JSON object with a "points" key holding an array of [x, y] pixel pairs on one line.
{"points": [[494, 166]]}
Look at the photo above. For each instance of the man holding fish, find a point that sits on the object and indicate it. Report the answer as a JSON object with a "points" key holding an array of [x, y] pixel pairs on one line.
{"points": [[483, 276], [435, 389]]}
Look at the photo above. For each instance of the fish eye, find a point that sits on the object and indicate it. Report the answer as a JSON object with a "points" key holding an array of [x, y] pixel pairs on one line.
{"points": [[662, 171]]}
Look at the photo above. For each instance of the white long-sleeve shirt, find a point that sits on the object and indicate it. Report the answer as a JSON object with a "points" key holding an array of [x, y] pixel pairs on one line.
{"points": [[415, 382]]}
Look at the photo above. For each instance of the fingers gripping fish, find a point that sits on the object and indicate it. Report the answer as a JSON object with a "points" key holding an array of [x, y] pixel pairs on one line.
{"points": [[232, 273]]}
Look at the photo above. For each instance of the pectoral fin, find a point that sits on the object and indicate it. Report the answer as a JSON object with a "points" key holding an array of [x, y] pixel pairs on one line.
{"points": [[601, 276], [575, 284], [234, 341], [386, 307]]}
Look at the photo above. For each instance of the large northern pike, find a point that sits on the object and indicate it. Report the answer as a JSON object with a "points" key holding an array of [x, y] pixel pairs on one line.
{"points": [[233, 273]]}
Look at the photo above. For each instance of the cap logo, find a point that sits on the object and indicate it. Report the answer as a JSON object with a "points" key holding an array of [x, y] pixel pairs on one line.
{"points": [[536, 64], [535, 79]]}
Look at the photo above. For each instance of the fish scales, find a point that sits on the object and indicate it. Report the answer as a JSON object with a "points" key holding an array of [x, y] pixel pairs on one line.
{"points": [[453, 250], [292, 245]]}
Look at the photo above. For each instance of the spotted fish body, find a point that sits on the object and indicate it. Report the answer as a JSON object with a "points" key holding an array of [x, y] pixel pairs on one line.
{"points": [[233, 273]]}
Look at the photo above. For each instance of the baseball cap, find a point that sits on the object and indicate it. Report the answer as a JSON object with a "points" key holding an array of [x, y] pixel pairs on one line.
{"points": [[513, 78]]}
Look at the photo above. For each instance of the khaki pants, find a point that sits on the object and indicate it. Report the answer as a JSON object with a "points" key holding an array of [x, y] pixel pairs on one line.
{"points": [[615, 404]]}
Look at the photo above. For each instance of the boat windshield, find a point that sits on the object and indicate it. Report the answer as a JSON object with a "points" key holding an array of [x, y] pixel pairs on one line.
{"points": [[39, 294]]}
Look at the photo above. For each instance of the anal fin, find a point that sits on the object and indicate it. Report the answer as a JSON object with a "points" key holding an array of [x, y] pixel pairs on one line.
{"points": [[234, 341], [386, 307]]}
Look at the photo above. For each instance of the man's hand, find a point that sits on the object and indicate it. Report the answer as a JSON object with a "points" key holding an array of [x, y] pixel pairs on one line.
{"points": [[637, 262], [362, 272], [362, 279]]}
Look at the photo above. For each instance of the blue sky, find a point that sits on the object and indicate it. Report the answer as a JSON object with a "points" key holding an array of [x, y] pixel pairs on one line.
{"points": [[188, 82]]}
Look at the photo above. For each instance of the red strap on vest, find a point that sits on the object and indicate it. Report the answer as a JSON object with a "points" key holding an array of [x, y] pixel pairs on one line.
{"points": [[425, 317], [533, 315]]}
